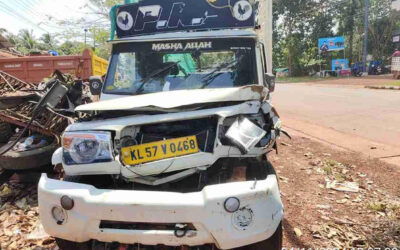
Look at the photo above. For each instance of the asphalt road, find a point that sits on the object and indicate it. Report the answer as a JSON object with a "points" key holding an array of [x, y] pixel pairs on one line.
{"points": [[350, 117]]}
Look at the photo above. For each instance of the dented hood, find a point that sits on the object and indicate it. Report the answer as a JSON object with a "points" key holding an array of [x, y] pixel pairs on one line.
{"points": [[180, 98]]}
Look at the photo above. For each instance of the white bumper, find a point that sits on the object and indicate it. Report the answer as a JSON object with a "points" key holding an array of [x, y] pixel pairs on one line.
{"points": [[205, 210]]}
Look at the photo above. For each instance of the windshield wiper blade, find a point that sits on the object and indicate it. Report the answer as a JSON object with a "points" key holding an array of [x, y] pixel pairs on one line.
{"points": [[147, 79], [210, 77]]}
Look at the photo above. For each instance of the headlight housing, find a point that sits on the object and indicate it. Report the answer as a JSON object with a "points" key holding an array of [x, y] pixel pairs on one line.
{"points": [[245, 134], [86, 147]]}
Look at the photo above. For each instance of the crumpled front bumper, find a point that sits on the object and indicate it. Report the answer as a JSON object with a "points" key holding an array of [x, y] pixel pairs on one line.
{"points": [[204, 210]]}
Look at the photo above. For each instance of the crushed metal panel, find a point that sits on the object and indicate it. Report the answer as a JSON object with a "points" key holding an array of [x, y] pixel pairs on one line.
{"points": [[173, 99]]}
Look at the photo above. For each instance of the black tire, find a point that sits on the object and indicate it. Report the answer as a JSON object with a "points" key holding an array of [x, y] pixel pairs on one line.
{"points": [[69, 245], [70, 178], [273, 243], [5, 132], [32, 159], [259, 169]]}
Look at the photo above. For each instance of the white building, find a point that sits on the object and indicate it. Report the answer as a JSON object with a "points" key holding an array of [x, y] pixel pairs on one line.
{"points": [[396, 4]]}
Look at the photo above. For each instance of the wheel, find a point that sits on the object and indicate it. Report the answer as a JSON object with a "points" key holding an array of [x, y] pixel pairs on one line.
{"points": [[31, 159], [273, 243], [5, 132], [69, 245], [259, 169]]}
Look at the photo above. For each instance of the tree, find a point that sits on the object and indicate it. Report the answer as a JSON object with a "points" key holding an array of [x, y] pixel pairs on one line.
{"points": [[383, 23], [27, 40], [299, 24], [3, 31], [48, 42], [349, 13]]}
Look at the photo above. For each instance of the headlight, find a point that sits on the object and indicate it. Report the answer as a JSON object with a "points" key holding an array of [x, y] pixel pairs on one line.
{"points": [[245, 134], [86, 147]]}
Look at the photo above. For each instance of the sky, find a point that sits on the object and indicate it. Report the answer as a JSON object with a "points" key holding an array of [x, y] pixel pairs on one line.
{"points": [[396, 4], [41, 16]]}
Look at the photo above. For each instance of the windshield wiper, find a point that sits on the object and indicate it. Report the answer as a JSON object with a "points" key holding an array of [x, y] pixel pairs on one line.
{"points": [[210, 77], [147, 79]]}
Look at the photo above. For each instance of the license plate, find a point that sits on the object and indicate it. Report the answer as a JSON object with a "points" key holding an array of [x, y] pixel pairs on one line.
{"points": [[159, 150]]}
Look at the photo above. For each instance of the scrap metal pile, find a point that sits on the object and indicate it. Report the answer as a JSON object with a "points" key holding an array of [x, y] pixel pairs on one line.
{"points": [[18, 104], [18, 100]]}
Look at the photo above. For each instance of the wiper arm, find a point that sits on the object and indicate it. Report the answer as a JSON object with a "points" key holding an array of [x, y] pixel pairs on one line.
{"points": [[147, 79], [210, 77]]}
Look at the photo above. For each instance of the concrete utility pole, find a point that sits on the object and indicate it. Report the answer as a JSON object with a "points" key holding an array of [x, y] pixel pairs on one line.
{"points": [[86, 30], [269, 28], [266, 22], [365, 51]]}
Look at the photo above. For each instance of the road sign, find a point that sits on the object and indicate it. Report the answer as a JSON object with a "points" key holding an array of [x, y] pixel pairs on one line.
{"points": [[331, 44]]}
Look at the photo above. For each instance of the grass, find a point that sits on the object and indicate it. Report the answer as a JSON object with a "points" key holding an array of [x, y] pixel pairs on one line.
{"points": [[331, 163], [327, 170], [396, 83], [379, 207], [298, 79]]}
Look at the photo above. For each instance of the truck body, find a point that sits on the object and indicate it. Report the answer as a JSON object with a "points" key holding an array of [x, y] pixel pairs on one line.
{"points": [[33, 69], [175, 152]]}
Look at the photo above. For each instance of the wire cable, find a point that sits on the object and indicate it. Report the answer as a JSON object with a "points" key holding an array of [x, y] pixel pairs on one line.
{"points": [[8, 10]]}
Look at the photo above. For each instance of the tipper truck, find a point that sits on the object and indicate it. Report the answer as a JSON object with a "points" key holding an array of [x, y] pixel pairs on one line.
{"points": [[175, 153]]}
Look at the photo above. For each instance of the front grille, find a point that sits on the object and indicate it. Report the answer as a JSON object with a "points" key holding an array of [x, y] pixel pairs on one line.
{"points": [[142, 226], [204, 130]]}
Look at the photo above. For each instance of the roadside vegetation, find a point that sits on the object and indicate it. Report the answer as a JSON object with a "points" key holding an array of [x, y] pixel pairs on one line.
{"points": [[71, 40], [394, 83], [299, 79], [299, 24]]}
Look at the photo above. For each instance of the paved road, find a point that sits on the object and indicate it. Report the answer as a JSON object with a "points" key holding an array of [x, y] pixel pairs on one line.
{"points": [[354, 118]]}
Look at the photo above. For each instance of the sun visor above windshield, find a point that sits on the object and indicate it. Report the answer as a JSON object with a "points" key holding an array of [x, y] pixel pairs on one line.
{"points": [[155, 16]]}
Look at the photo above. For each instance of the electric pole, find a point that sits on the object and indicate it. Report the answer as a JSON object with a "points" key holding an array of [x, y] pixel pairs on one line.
{"points": [[365, 51], [94, 39], [86, 30]]}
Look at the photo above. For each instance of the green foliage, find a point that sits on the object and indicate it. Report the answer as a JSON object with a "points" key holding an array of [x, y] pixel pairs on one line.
{"points": [[299, 23]]}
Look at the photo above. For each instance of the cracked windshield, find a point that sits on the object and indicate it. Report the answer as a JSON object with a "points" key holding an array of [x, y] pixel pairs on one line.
{"points": [[147, 71]]}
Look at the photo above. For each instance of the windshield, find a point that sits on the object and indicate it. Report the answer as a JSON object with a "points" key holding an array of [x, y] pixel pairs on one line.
{"points": [[143, 68]]}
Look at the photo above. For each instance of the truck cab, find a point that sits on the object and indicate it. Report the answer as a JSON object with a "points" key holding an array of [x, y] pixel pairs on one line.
{"points": [[175, 153]]}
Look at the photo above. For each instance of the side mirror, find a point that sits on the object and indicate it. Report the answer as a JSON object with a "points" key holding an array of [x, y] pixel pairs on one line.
{"points": [[269, 82], [96, 85]]}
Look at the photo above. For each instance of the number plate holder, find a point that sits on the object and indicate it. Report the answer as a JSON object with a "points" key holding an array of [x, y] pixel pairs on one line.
{"points": [[159, 150]]}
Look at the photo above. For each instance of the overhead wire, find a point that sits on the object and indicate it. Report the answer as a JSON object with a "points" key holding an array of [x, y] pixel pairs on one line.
{"points": [[10, 11]]}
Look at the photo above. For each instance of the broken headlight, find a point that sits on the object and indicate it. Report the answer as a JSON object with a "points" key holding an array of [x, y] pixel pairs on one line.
{"points": [[86, 147], [245, 134]]}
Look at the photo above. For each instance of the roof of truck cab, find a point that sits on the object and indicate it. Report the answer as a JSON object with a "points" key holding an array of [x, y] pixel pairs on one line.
{"points": [[231, 33]]}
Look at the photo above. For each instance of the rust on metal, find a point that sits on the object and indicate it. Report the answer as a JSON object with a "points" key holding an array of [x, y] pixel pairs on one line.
{"points": [[34, 68], [20, 112], [47, 122], [10, 83]]}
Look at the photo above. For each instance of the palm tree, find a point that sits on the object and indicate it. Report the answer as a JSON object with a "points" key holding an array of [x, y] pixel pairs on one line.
{"points": [[27, 39], [48, 41], [2, 31]]}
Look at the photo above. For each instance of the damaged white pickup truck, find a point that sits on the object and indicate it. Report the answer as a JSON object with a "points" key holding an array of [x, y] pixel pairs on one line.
{"points": [[174, 156]]}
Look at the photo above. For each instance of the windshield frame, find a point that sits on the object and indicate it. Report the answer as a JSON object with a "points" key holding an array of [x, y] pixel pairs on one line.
{"points": [[228, 44]]}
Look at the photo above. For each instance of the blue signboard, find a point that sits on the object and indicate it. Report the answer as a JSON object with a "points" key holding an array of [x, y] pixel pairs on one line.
{"points": [[331, 44], [155, 16], [340, 64]]}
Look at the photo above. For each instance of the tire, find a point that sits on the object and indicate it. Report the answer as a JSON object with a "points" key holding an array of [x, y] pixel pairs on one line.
{"points": [[273, 243], [70, 178], [5, 132], [259, 169], [32, 159], [69, 245]]}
